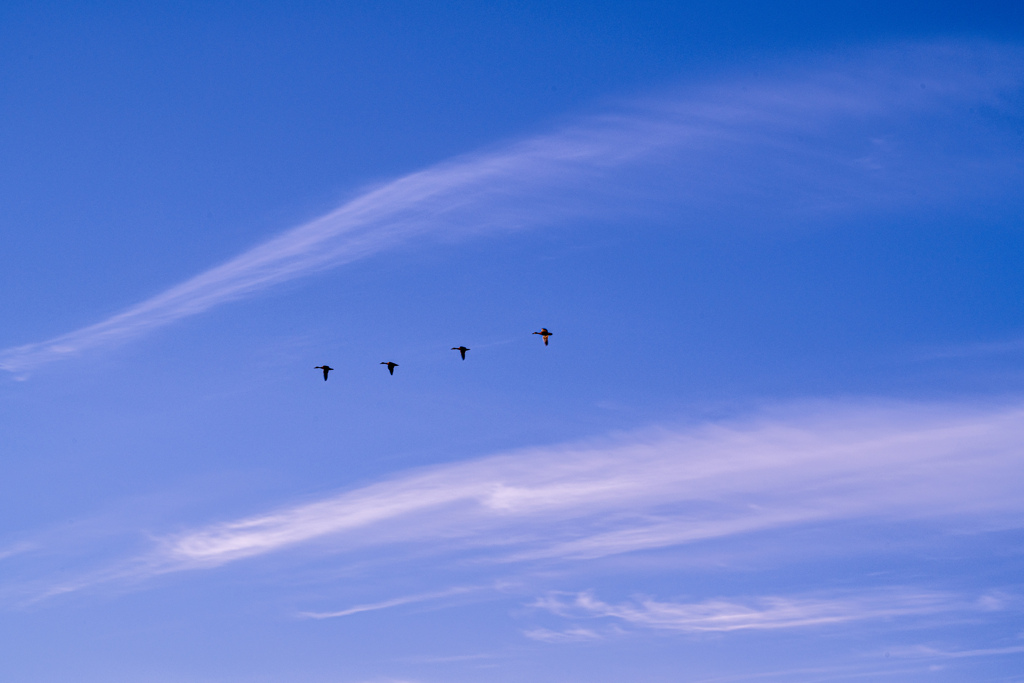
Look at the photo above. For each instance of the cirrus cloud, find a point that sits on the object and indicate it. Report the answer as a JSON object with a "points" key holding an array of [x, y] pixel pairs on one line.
{"points": [[805, 464], [816, 142]]}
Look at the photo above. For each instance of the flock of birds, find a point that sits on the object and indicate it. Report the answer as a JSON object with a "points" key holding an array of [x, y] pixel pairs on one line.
{"points": [[544, 334]]}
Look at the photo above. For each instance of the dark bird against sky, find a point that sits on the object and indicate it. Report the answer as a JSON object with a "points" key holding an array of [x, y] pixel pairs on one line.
{"points": [[544, 333], [391, 366], [462, 350], [326, 369]]}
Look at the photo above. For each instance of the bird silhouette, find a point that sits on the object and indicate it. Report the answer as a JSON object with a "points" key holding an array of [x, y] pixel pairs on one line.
{"points": [[325, 368], [462, 350], [391, 366], [544, 334]]}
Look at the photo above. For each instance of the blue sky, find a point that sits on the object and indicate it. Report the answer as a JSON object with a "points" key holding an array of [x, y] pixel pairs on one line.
{"points": [[777, 434]]}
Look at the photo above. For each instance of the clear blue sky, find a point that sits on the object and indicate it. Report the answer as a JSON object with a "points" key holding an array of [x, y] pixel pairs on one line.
{"points": [[778, 433]]}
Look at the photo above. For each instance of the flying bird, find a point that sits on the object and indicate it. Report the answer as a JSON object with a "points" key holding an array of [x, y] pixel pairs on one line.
{"points": [[544, 334], [325, 368], [391, 366], [462, 350]]}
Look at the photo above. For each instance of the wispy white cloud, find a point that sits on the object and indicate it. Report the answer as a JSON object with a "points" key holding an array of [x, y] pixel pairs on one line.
{"points": [[454, 658], [763, 613], [822, 674], [394, 602], [569, 635], [16, 549], [990, 348], [814, 141], [926, 652], [805, 464]]}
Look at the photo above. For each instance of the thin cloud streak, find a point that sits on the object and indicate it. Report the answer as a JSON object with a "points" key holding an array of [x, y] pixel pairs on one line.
{"points": [[781, 147], [974, 350], [572, 635], [802, 465], [16, 549], [764, 613], [925, 652], [387, 604]]}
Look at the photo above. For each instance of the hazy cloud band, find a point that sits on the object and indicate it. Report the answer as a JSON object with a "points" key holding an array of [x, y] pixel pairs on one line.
{"points": [[803, 465]]}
